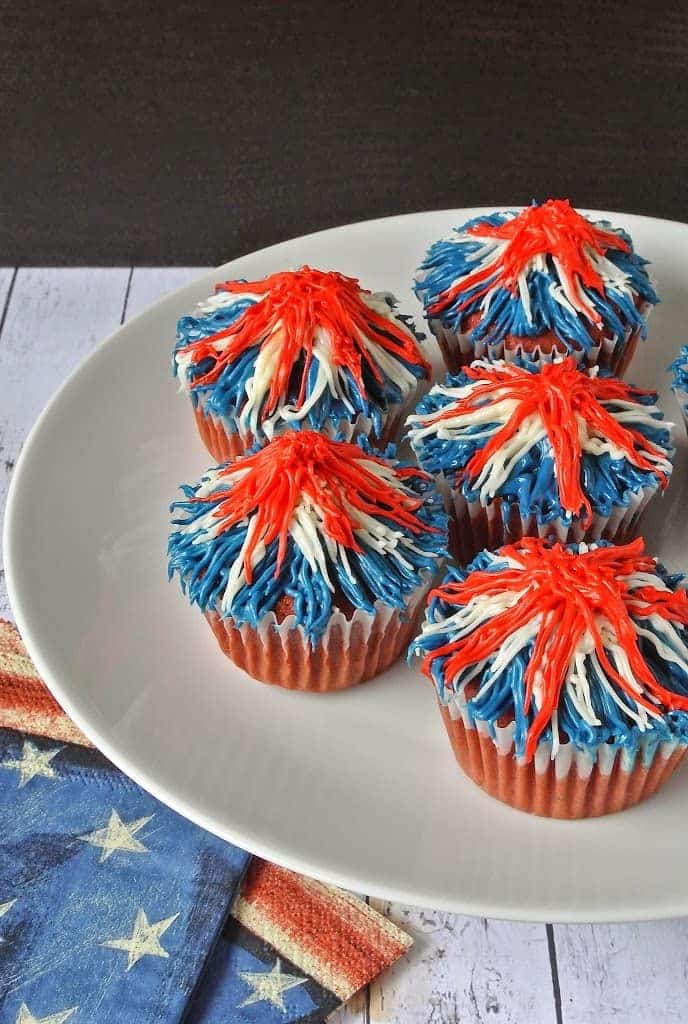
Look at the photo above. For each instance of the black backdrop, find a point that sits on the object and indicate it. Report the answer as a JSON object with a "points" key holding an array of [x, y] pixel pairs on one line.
{"points": [[187, 133]]}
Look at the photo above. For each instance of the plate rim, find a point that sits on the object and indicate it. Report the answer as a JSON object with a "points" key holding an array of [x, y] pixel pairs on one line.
{"points": [[256, 846]]}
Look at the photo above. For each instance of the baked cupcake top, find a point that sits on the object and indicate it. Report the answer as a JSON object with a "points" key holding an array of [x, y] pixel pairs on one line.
{"points": [[322, 523], [582, 643], [546, 269], [305, 348], [558, 441], [679, 368]]}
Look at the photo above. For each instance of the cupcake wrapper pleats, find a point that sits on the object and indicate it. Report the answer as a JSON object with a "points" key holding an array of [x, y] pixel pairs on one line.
{"points": [[225, 443], [460, 350], [572, 785], [682, 400], [473, 526], [349, 652]]}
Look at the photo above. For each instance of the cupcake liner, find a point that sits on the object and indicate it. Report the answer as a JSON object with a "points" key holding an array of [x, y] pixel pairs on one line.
{"points": [[682, 400], [349, 652], [225, 444], [473, 526], [458, 350], [572, 784]]}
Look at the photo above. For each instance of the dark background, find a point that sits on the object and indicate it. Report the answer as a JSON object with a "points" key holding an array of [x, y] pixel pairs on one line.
{"points": [[193, 132]]}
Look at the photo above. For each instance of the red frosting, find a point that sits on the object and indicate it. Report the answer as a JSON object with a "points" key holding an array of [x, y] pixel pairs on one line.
{"points": [[295, 303], [559, 394], [555, 229], [569, 591], [303, 464]]}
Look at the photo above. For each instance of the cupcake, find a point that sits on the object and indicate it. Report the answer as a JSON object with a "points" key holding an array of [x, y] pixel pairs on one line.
{"points": [[310, 558], [554, 451], [679, 385], [562, 674], [530, 286], [299, 349]]}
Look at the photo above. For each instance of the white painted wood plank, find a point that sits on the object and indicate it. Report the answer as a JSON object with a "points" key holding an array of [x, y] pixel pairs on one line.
{"points": [[148, 284], [635, 973], [54, 318], [464, 970], [353, 1012]]}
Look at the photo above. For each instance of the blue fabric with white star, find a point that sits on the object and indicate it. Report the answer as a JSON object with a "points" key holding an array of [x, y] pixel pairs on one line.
{"points": [[109, 901], [115, 910], [247, 982]]}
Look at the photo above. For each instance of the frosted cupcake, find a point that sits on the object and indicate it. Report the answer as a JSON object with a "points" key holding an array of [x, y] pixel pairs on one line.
{"points": [[550, 452], [530, 286], [562, 674], [310, 558], [299, 349], [679, 385]]}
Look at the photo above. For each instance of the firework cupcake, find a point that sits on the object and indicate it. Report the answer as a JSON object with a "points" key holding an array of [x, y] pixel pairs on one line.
{"points": [[300, 349], [530, 286], [562, 674], [679, 386], [559, 452], [310, 558]]}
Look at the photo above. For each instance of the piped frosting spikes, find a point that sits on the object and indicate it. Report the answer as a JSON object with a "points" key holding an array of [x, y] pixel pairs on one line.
{"points": [[547, 268], [339, 484], [506, 411], [301, 517], [301, 337], [567, 609], [576, 245]]}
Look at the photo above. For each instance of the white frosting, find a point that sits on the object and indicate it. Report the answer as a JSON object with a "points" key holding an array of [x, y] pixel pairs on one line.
{"points": [[223, 300]]}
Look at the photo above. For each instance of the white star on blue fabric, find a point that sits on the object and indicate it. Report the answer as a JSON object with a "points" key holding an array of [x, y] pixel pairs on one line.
{"points": [[144, 940], [4, 907], [26, 1017], [33, 762], [117, 835], [269, 987]]}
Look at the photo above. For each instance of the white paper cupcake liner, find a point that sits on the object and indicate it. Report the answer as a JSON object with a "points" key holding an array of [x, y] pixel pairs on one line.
{"points": [[682, 401], [459, 350], [350, 651], [565, 783], [474, 526], [224, 442]]}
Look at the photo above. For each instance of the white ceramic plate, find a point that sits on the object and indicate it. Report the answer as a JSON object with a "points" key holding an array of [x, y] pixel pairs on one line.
{"points": [[358, 788]]}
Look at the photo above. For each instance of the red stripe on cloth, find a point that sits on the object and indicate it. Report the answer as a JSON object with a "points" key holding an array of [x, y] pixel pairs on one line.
{"points": [[343, 941], [25, 702]]}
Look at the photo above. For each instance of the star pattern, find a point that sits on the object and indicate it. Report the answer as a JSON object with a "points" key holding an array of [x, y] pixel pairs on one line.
{"points": [[26, 1017], [4, 907], [144, 940], [117, 835], [33, 762], [269, 987]]}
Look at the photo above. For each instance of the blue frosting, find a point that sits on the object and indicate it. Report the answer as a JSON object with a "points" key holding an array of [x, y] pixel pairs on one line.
{"points": [[225, 397], [447, 262], [506, 695], [679, 369], [532, 484], [203, 568]]}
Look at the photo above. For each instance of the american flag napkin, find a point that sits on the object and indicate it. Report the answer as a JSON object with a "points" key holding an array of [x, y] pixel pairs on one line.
{"points": [[115, 909]]}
